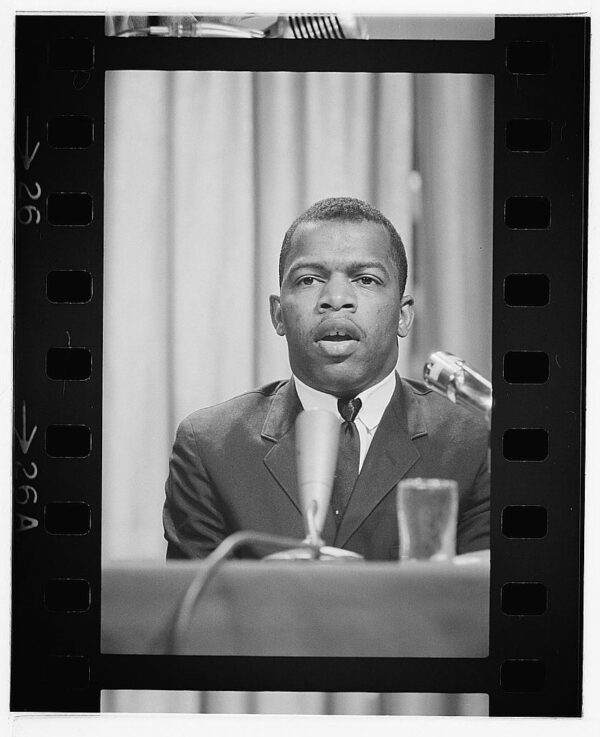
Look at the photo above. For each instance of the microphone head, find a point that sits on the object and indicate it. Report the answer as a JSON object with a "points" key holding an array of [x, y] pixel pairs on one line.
{"points": [[317, 444], [452, 376], [439, 372]]}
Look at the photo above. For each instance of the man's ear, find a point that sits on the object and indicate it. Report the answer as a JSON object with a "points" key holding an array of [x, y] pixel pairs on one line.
{"points": [[276, 316], [406, 315]]}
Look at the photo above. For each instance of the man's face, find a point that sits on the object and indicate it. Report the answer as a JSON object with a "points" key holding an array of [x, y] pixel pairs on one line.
{"points": [[340, 307]]}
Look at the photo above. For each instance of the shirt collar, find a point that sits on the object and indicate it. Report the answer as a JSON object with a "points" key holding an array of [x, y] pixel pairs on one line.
{"points": [[374, 400]]}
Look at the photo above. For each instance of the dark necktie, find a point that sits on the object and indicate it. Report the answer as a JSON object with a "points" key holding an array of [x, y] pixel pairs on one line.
{"points": [[348, 458]]}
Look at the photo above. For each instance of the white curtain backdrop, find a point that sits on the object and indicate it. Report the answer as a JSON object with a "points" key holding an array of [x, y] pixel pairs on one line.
{"points": [[204, 172], [453, 246]]}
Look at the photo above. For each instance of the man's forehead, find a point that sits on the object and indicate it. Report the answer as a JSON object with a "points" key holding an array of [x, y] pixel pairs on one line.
{"points": [[317, 233], [309, 226]]}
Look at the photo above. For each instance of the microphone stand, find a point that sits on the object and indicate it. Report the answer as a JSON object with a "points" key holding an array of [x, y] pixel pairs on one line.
{"points": [[314, 547]]}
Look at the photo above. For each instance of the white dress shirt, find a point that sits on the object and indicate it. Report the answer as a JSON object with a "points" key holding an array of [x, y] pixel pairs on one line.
{"points": [[374, 401]]}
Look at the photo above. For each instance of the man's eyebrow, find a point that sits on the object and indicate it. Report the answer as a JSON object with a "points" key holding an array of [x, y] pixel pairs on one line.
{"points": [[315, 265], [352, 266], [362, 265]]}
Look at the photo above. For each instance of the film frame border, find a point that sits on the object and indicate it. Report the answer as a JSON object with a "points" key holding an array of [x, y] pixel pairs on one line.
{"points": [[541, 70]]}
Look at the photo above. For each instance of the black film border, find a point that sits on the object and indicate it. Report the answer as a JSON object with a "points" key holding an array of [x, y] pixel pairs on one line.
{"points": [[541, 68]]}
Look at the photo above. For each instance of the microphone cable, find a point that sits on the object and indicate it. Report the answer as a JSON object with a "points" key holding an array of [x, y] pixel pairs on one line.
{"points": [[210, 565]]}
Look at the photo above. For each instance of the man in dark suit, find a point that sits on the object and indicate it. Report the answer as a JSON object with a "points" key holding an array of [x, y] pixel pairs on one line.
{"points": [[341, 309]]}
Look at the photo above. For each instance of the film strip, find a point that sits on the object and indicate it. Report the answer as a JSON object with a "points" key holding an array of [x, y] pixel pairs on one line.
{"points": [[540, 67]]}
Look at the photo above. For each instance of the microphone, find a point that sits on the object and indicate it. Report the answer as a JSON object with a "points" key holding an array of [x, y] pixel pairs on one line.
{"points": [[317, 445], [460, 383]]}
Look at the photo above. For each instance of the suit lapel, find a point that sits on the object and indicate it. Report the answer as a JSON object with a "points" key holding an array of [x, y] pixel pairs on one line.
{"points": [[391, 455], [279, 427]]}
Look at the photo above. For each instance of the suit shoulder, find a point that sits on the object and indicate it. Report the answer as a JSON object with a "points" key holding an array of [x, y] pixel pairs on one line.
{"points": [[253, 403], [440, 412], [416, 387]]}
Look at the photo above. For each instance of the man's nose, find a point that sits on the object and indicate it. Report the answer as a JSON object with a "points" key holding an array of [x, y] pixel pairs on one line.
{"points": [[337, 294]]}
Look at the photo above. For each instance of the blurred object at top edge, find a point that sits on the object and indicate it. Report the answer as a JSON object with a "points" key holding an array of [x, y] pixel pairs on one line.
{"points": [[316, 26], [291, 26]]}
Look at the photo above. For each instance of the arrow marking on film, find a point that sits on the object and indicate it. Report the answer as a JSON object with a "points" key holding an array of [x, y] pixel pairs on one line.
{"points": [[25, 441], [26, 157]]}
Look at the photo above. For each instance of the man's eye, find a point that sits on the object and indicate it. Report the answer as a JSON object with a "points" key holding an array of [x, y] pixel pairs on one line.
{"points": [[307, 281], [367, 280]]}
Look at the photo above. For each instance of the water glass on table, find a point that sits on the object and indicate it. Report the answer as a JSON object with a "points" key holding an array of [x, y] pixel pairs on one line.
{"points": [[427, 515]]}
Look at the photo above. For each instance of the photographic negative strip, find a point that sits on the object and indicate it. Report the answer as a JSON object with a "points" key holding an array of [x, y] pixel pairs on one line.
{"points": [[158, 165]]}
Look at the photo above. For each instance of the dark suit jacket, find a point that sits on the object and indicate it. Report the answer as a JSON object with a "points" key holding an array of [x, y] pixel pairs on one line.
{"points": [[233, 468]]}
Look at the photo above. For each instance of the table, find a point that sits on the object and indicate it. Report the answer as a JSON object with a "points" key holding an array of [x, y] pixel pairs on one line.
{"points": [[312, 609]]}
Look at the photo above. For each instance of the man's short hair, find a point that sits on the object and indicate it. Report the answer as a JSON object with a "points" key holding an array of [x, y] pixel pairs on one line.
{"points": [[347, 209]]}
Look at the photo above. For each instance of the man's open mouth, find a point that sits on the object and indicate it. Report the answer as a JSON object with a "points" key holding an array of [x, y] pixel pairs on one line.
{"points": [[337, 337], [337, 331], [337, 340]]}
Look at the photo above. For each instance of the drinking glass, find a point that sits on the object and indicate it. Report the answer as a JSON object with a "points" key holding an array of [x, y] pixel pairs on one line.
{"points": [[427, 514]]}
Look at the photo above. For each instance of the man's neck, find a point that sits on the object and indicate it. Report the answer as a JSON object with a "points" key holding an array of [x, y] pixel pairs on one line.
{"points": [[390, 378]]}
